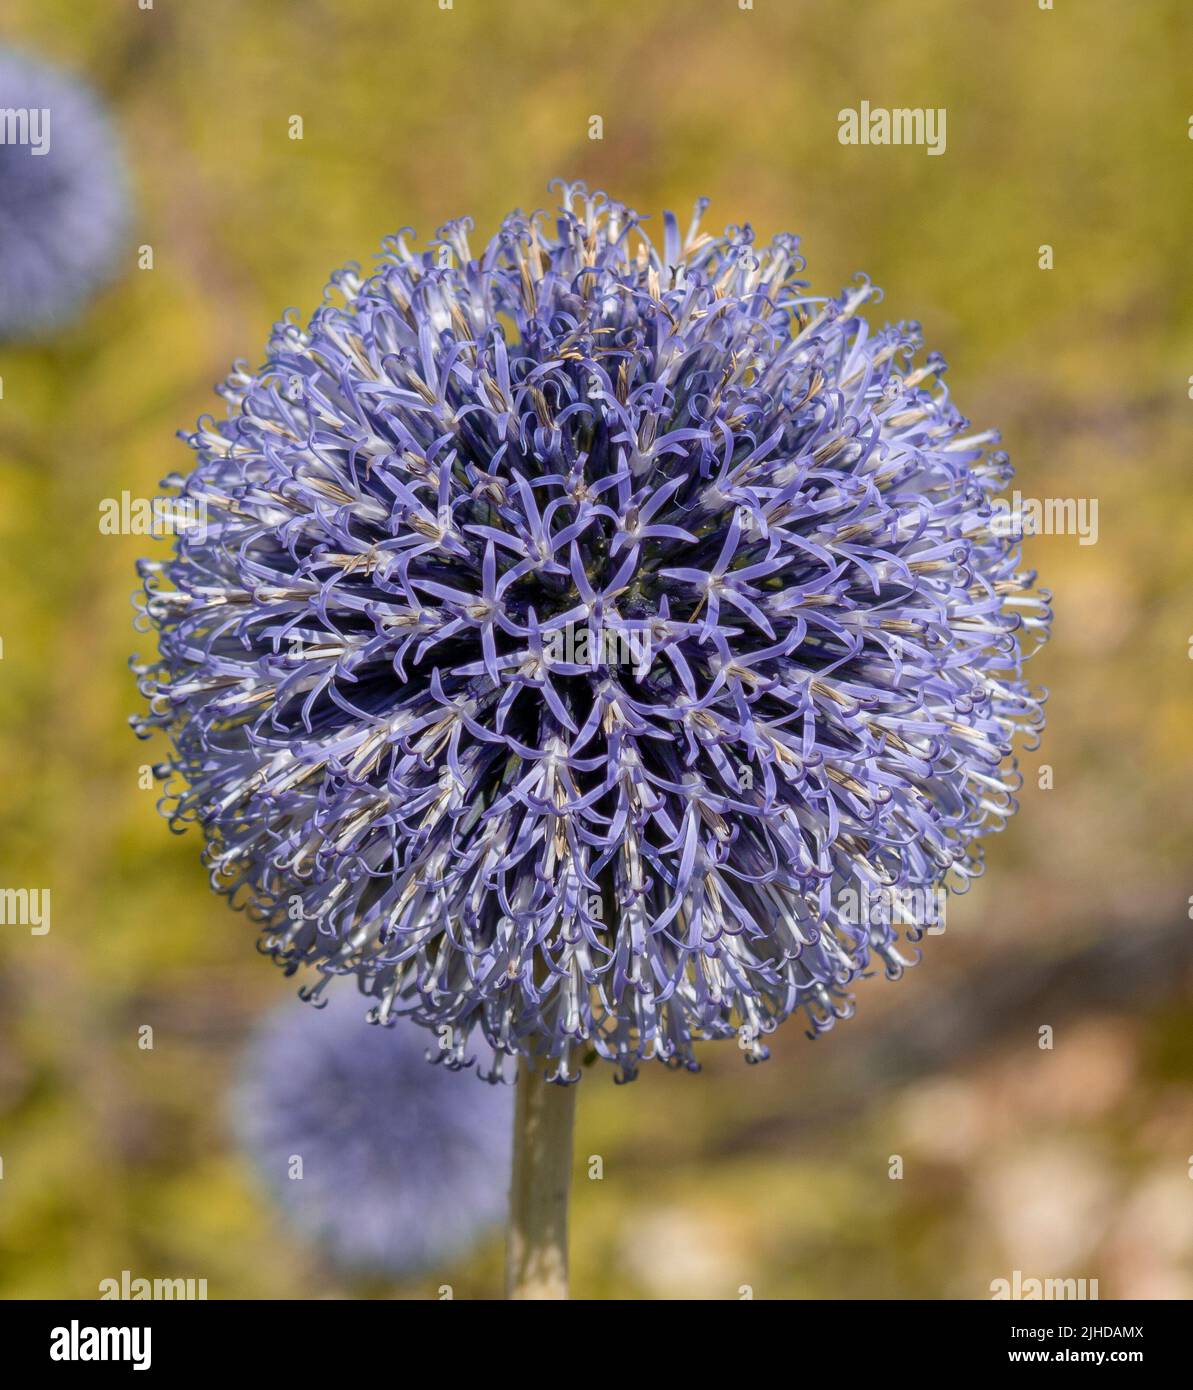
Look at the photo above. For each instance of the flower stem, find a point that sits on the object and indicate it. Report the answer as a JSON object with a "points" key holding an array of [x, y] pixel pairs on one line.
{"points": [[536, 1264]]}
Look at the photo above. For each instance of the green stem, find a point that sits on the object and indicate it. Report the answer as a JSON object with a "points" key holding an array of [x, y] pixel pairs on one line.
{"points": [[537, 1254]]}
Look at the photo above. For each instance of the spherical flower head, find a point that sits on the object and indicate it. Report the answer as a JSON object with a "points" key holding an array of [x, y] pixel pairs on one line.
{"points": [[582, 630], [403, 1165], [63, 195]]}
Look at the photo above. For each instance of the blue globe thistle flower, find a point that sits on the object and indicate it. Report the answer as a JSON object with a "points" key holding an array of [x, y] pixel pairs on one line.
{"points": [[582, 629], [404, 1165], [63, 195]]}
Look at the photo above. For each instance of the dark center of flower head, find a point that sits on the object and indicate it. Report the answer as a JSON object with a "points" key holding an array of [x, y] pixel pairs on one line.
{"points": [[580, 633]]}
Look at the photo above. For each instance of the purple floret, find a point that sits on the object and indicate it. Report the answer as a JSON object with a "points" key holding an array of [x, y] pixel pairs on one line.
{"points": [[63, 196], [388, 1164], [579, 628]]}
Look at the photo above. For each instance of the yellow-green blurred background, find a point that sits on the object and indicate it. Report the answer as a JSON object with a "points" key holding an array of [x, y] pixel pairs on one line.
{"points": [[1067, 127]]}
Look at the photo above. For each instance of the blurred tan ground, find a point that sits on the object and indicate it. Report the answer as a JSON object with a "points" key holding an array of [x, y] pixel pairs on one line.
{"points": [[1067, 128]]}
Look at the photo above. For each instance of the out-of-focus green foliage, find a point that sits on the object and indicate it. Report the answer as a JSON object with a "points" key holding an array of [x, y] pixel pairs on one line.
{"points": [[1066, 127]]}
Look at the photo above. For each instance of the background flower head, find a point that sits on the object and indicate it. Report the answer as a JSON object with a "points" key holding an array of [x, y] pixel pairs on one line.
{"points": [[63, 195], [404, 1165], [582, 628]]}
